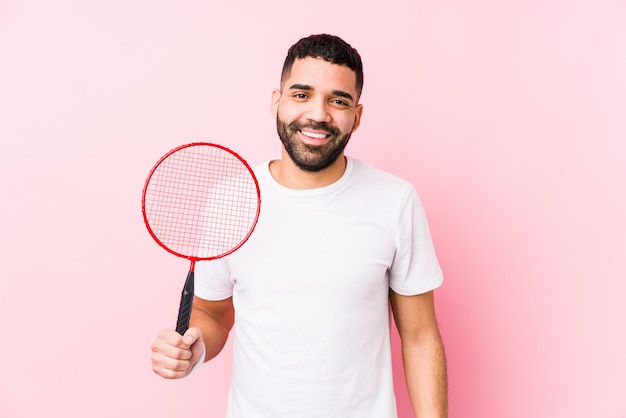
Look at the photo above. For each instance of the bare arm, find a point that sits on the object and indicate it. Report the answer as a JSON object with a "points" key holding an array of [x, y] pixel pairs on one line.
{"points": [[174, 355], [215, 319], [422, 353]]}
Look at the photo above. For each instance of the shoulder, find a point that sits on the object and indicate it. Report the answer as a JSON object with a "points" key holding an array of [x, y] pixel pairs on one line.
{"points": [[262, 169], [380, 181], [262, 172]]}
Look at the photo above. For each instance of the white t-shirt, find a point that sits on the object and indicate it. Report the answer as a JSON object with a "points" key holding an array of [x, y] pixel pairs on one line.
{"points": [[310, 290]]}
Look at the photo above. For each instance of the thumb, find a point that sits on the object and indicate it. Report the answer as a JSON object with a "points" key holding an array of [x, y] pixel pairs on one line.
{"points": [[192, 335]]}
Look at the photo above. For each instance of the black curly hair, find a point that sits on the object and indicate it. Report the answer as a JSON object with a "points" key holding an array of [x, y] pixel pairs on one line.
{"points": [[330, 48]]}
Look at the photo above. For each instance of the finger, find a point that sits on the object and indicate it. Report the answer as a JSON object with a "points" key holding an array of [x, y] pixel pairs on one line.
{"points": [[173, 355], [169, 367], [163, 345], [168, 373], [170, 337], [161, 360], [170, 351], [192, 335]]}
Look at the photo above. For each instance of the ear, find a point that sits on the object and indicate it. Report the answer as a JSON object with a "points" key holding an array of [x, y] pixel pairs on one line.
{"points": [[358, 111], [276, 95]]}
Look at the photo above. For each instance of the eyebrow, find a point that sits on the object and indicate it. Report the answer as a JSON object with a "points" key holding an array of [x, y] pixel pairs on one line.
{"points": [[307, 87]]}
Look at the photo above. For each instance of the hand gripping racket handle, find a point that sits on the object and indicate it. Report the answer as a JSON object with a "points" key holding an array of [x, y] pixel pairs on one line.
{"points": [[186, 301]]}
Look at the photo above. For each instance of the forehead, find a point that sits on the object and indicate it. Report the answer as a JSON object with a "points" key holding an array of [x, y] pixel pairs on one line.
{"points": [[321, 75]]}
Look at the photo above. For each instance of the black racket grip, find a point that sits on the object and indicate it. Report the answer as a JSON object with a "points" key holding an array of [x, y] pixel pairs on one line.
{"points": [[186, 301]]}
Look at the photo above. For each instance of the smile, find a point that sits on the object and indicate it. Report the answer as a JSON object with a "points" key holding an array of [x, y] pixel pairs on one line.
{"points": [[315, 135]]}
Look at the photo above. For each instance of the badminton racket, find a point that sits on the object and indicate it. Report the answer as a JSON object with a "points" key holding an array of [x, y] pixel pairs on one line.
{"points": [[201, 201]]}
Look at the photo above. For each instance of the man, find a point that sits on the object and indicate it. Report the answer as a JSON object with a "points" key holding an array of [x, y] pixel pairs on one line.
{"points": [[337, 243]]}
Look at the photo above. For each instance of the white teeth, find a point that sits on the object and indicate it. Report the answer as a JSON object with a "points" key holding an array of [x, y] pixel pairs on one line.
{"points": [[314, 135]]}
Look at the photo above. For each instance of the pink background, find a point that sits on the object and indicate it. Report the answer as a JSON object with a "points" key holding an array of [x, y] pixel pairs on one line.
{"points": [[509, 118]]}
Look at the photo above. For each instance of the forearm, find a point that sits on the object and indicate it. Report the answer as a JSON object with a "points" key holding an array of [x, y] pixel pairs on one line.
{"points": [[426, 376], [215, 327]]}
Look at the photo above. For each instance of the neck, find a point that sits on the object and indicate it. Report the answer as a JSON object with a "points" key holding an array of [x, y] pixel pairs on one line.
{"points": [[289, 175]]}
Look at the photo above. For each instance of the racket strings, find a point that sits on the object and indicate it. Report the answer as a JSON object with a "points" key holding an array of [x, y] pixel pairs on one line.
{"points": [[201, 201]]}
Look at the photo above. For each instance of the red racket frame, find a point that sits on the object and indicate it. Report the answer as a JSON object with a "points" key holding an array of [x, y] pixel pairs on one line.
{"points": [[188, 289], [192, 258]]}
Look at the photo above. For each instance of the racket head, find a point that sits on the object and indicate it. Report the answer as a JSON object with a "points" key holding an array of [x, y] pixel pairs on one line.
{"points": [[201, 201]]}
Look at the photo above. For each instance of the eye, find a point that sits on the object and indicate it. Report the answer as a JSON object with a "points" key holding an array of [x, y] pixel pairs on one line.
{"points": [[340, 102], [300, 96]]}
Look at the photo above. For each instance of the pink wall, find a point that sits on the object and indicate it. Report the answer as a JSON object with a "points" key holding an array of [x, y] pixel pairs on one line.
{"points": [[509, 117]]}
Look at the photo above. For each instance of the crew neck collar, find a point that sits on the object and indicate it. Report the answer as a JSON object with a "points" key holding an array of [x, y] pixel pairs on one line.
{"points": [[318, 191]]}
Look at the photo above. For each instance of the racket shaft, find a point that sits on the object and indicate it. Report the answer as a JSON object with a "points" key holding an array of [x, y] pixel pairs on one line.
{"points": [[186, 302]]}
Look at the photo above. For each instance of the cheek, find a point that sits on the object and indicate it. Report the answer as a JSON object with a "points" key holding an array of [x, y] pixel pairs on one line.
{"points": [[346, 123], [286, 114]]}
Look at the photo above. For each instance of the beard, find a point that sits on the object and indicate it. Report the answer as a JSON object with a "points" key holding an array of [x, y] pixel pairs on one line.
{"points": [[312, 158]]}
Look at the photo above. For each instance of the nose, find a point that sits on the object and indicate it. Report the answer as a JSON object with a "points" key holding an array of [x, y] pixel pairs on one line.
{"points": [[318, 111]]}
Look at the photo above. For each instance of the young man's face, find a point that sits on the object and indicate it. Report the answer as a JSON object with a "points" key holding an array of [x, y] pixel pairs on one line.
{"points": [[316, 111]]}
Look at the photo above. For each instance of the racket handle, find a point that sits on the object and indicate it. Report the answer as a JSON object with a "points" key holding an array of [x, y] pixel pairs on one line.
{"points": [[186, 301]]}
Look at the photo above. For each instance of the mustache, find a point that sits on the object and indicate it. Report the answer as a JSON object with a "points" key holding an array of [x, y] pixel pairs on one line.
{"points": [[315, 126]]}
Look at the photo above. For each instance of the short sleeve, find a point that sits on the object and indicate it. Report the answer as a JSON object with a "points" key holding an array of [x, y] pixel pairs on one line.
{"points": [[213, 279], [415, 268]]}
